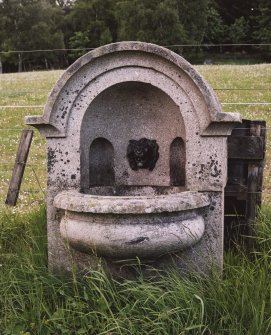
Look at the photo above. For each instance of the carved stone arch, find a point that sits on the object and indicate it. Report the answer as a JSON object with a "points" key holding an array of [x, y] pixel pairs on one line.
{"points": [[135, 57]]}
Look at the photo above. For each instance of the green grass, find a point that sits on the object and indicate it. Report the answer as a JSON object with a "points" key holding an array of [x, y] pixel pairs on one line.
{"points": [[33, 301], [23, 89]]}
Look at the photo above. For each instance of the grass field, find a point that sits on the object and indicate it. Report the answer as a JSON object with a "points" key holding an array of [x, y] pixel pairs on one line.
{"points": [[34, 302]]}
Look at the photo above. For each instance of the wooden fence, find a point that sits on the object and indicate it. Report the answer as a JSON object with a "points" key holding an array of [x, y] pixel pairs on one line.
{"points": [[243, 193]]}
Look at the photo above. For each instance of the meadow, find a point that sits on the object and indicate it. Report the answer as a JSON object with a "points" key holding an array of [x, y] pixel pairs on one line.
{"points": [[33, 301]]}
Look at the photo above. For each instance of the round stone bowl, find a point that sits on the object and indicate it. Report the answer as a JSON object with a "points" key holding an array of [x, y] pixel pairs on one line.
{"points": [[129, 222]]}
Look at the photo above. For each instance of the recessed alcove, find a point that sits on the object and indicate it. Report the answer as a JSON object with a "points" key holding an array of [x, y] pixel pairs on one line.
{"points": [[124, 112], [101, 163], [177, 162]]}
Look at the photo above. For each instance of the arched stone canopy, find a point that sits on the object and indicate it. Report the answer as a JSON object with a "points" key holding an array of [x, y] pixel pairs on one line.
{"points": [[132, 61]]}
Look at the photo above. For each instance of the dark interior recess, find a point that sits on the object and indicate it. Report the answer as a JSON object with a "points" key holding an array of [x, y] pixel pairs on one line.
{"points": [[177, 162], [101, 163]]}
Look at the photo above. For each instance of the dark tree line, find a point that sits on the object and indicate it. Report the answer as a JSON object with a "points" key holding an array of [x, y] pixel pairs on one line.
{"points": [[82, 24]]}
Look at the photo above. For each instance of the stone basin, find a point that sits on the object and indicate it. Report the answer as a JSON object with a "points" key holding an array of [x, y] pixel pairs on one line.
{"points": [[129, 222]]}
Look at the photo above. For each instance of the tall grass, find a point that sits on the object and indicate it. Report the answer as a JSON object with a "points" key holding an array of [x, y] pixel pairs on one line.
{"points": [[34, 301]]}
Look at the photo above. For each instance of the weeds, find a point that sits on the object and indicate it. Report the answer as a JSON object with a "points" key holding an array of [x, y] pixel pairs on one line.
{"points": [[34, 301]]}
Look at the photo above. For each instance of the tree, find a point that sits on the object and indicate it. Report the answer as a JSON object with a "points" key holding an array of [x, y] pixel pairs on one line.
{"points": [[216, 30], [150, 21], [262, 27], [239, 16], [262, 31], [31, 25], [231, 22], [193, 16], [63, 3], [91, 23], [234, 9], [239, 31]]}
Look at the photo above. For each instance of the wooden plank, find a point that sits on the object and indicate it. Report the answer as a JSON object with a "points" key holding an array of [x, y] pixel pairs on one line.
{"points": [[246, 152], [237, 172], [234, 207], [245, 147], [258, 128], [254, 186], [18, 170], [252, 202], [237, 191]]}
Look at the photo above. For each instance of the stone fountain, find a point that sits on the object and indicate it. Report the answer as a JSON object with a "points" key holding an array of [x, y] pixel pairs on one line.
{"points": [[137, 162]]}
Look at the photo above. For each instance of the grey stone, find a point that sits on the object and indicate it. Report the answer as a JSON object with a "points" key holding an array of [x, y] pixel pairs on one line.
{"points": [[100, 205]]}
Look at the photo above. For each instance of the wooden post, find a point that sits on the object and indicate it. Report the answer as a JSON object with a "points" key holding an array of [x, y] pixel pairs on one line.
{"points": [[18, 170], [253, 189], [252, 203]]}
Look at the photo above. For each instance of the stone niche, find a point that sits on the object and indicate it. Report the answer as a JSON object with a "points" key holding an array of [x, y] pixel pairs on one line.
{"points": [[137, 162]]}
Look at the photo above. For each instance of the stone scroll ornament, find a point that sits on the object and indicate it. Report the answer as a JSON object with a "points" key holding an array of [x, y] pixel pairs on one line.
{"points": [[142, 154]]}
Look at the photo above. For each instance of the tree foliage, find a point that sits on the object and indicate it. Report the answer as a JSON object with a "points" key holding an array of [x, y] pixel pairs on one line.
{"points": [[147, 20], [262, 31], [31, 25], [84, 24], [92, 23]]}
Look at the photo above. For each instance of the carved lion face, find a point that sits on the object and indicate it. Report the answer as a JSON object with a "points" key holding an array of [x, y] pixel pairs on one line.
{"points": [[142, 154]]}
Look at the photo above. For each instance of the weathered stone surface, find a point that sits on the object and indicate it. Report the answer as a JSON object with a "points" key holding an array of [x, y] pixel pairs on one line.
{"points": [[129, 91], [131, 226], [130, 236], [133, 204]]}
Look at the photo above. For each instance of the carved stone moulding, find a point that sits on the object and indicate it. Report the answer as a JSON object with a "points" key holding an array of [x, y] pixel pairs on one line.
{"points": [[130, 226]]}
